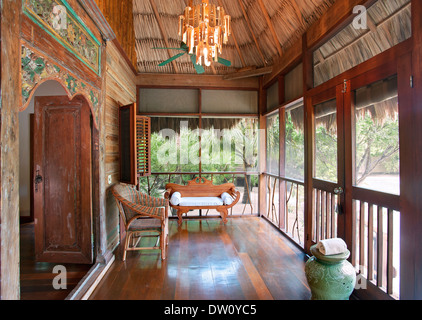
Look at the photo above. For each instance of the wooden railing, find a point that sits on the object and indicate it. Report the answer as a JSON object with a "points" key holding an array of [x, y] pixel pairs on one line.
{"points": [[377, 246], [375, 231], [285, 206], [324, 215], [375, 252], [248, 205]]}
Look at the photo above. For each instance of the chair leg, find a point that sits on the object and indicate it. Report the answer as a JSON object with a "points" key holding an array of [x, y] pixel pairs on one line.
{"points": [[128, 236], [223, 212], [163, 242]]}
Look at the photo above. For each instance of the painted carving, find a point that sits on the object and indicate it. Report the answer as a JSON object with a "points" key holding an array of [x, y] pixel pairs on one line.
{"points": [[37, 69], [58, 19]]}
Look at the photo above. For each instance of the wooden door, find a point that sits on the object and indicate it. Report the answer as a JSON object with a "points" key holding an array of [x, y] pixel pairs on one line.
{"points": [[359, 146], [327, 184], [62, 180]]}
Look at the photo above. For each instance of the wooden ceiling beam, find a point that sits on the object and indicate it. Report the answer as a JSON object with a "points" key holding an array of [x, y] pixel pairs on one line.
{"points": [[163, 33], [251, 31], [92, 8], [248, 73], [152, 80], [270, 25], [336, 17]]}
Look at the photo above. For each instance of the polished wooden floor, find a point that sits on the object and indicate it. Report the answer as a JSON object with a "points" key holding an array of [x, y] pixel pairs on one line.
{"points": [[36, 278], [247, 259]]}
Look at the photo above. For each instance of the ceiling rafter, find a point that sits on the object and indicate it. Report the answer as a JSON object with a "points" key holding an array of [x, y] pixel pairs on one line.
{"points": [[298, 13], [248, 48], [248, 73], [220, 3], [163, 33], [270, 25], [251, 31]]}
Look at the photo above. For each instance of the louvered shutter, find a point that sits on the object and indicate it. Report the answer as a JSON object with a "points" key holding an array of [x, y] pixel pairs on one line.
{"points": [[143, 146], [134, 145]]}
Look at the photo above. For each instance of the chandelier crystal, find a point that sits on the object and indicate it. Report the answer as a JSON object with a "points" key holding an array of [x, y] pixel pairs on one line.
{"points": [[204, 28]]}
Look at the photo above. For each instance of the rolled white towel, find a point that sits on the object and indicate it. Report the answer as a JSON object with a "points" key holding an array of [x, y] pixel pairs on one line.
{"points": [[332, 246], [176, 198], [227, 198]]}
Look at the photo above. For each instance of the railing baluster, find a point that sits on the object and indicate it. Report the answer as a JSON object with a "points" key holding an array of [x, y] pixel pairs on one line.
{"points": [[362, 234], [318, 215], [390, 234], [370, 242], [269, 197], [297, 211], [333, 216], [288, 196], [313, 216], [329, 215], [380, 246], [249, 194], [274, 208], [285, 205], [323, 214], [287, 199]]}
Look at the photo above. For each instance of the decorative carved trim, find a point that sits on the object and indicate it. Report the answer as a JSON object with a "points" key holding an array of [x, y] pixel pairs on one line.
{"points": [[97, 16], [58, 19], [37, 69]]}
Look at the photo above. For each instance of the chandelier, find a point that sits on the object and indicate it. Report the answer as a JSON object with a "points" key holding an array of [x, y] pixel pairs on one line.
{"points": [[204, 28]]}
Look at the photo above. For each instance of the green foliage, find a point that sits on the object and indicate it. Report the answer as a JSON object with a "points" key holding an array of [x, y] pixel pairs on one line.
{"points": [[325, 154], [377, 149], [295, 151], [230, 150], [377, 146], [273, 144]]}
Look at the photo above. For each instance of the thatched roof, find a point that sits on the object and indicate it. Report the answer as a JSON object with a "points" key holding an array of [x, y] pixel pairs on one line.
{"points": [[379, 100], [192, 123], [253, 45], [388, 22], [289, 19]]}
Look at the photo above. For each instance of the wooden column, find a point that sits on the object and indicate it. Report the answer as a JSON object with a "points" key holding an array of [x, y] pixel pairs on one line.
{"points": [[103, 255], [9, 152], [416, 159], [307, 84], [262, 199], [282, 163], [411, 167]]}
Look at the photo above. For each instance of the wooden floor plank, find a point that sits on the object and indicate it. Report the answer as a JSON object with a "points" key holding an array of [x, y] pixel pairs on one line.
{"points": [[36, 278], [246, 259], [259, 284]]}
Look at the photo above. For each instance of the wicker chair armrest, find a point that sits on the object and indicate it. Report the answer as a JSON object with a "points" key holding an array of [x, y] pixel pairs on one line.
{"points": [[157, 212], [149, 201]]}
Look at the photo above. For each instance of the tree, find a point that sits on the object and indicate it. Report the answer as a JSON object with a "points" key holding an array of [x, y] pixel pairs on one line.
{"points": [[222, 150], [377, 146]]}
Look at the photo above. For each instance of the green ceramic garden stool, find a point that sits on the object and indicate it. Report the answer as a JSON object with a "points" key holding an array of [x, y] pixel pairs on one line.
{"points": [[330, 277]]}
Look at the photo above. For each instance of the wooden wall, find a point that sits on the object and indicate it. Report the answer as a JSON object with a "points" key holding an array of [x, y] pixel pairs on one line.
{"points": [[9, 150], [119, 14], [22, 35], [120, 91]]}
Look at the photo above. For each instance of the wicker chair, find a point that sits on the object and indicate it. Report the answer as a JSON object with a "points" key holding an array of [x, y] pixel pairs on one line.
{"points": [[143, 216]]}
